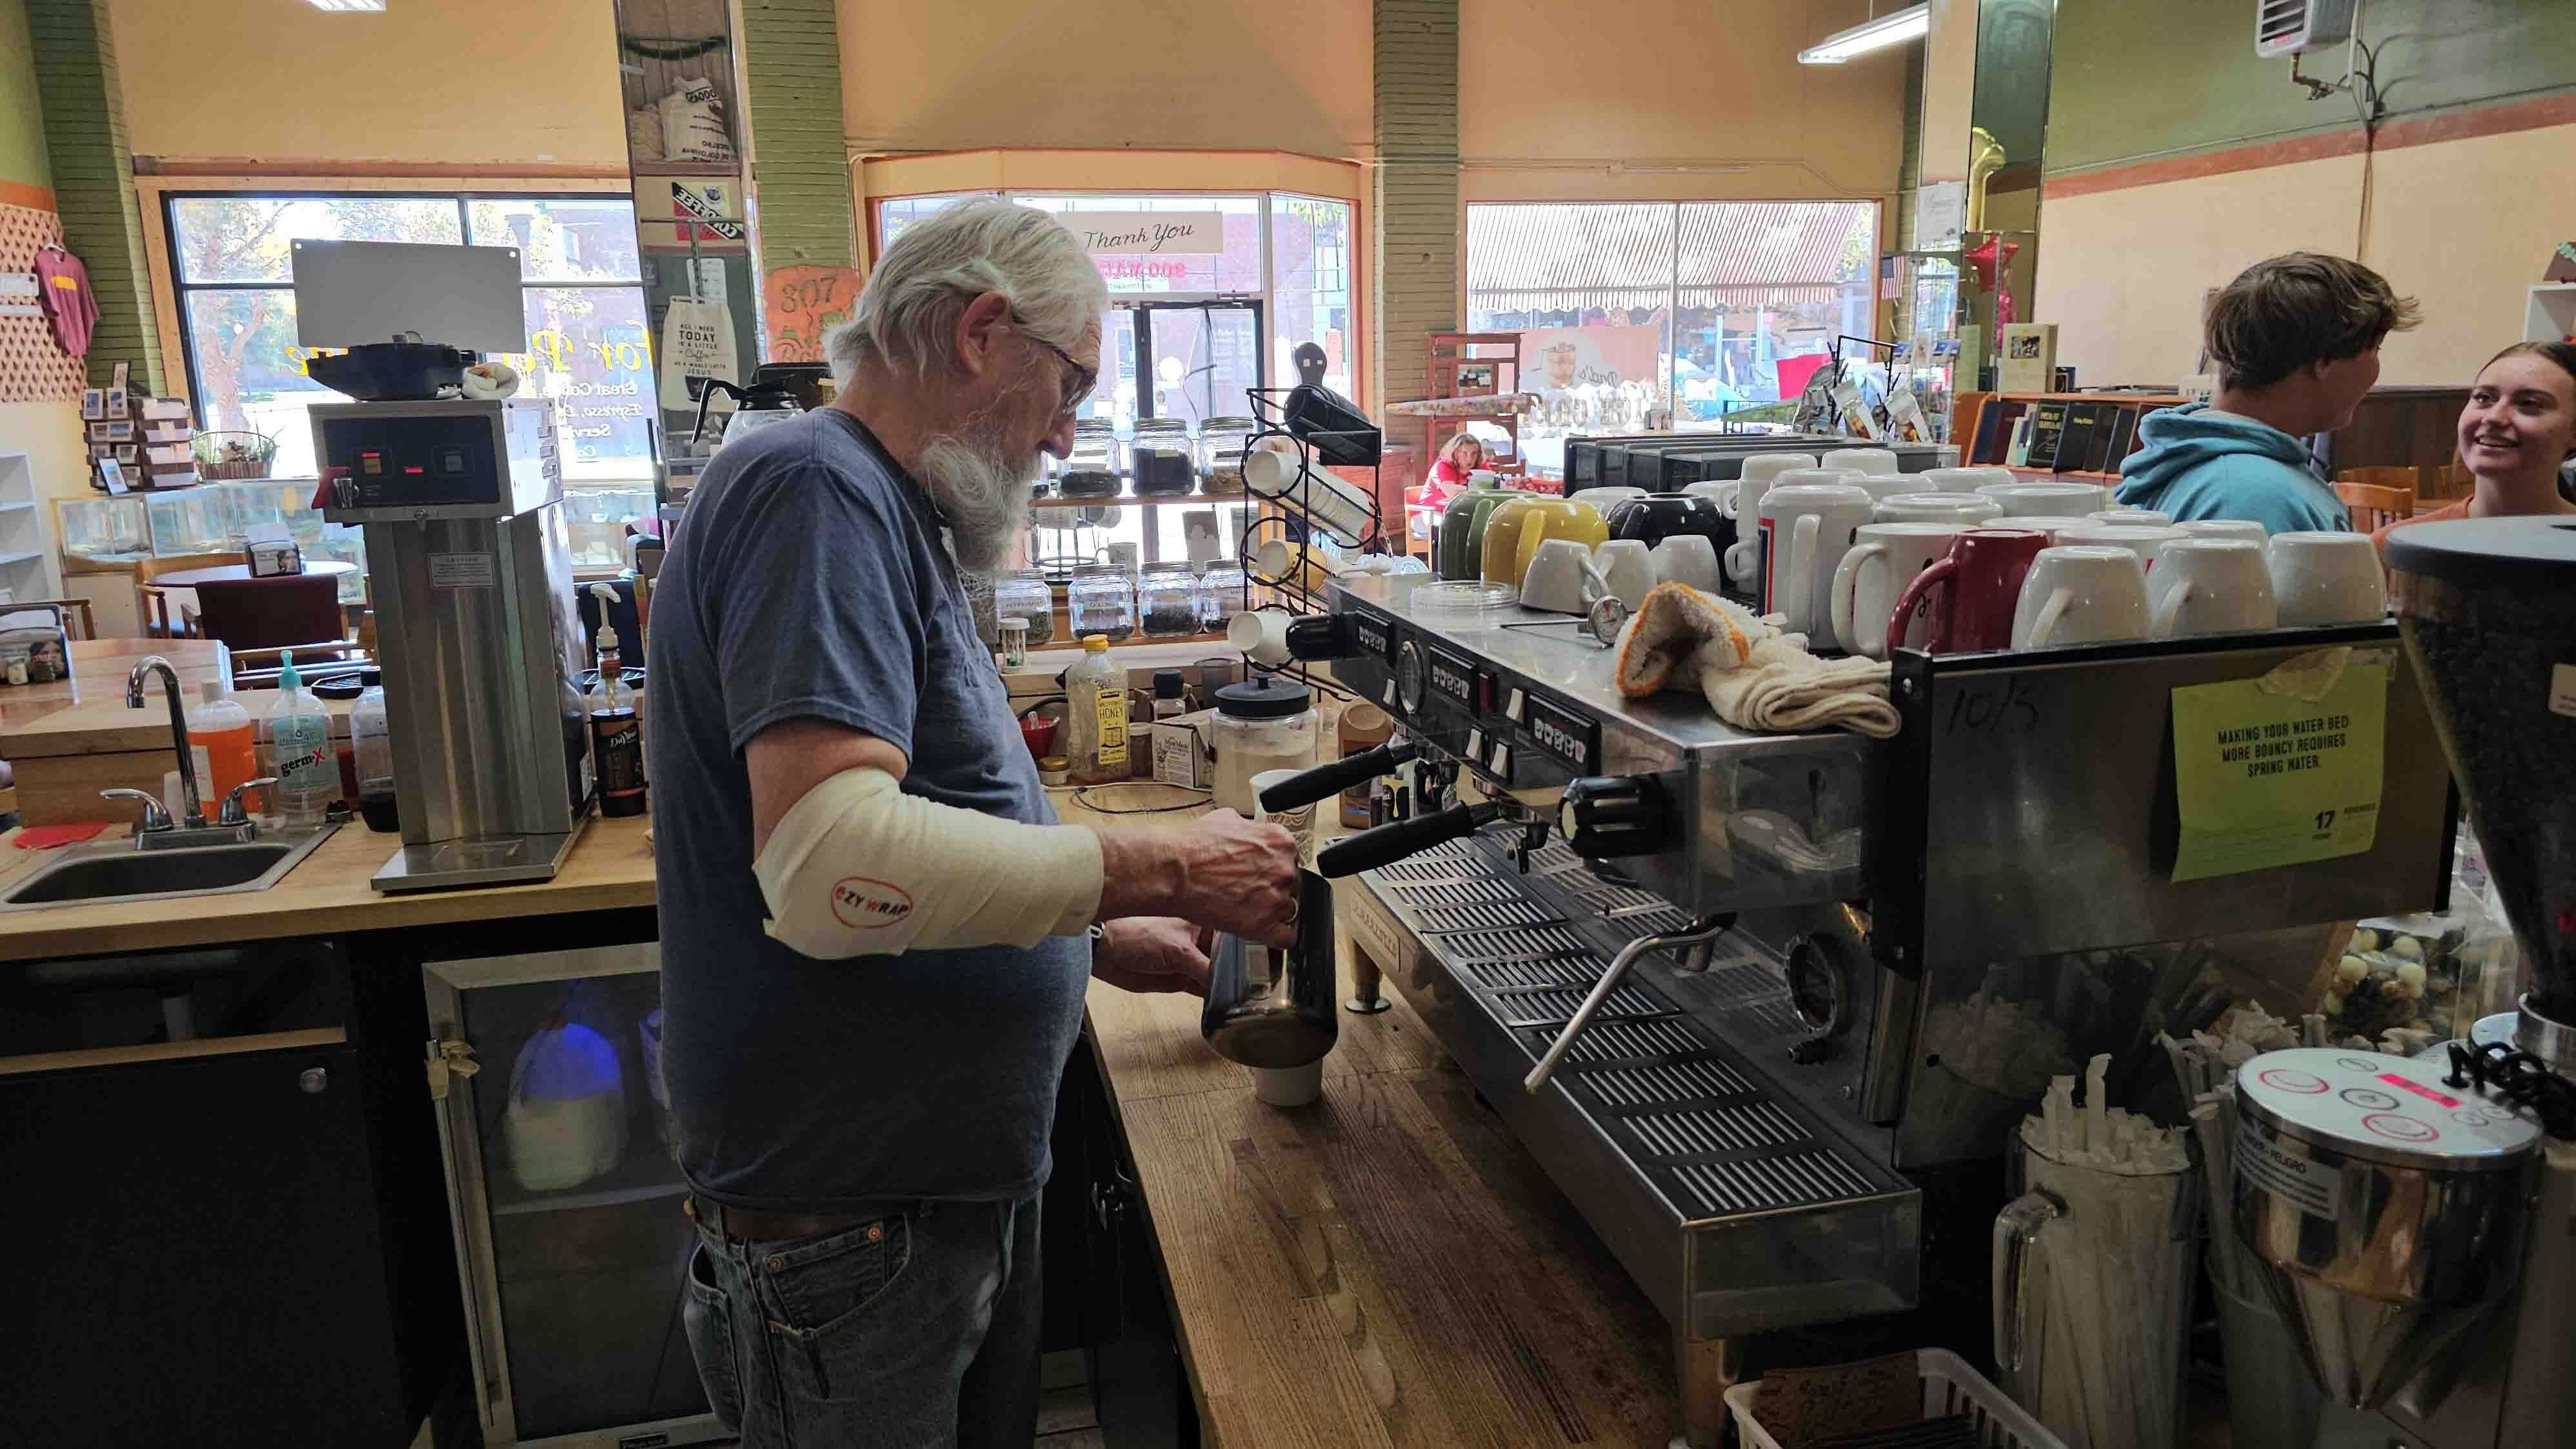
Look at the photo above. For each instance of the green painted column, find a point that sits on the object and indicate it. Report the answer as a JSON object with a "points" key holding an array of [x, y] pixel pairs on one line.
{"points": [[1415, 192], [94, 179], [804, 230]]}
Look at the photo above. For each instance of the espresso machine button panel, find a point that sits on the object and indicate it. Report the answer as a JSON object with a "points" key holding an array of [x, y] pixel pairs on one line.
{"points": [[413, 461]]}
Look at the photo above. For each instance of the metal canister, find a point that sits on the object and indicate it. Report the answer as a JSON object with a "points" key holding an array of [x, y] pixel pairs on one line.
{"points": [[2387, 1203]]}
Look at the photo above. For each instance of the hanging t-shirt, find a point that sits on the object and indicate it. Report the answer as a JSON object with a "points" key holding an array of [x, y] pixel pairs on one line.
{"points": [[62, 285]]}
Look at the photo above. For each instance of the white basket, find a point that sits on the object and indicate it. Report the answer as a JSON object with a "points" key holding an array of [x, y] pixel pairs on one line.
{"points": [[1949, 1387]]}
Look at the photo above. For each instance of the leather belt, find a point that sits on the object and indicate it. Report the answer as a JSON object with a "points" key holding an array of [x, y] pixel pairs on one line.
{"points": [[743, 1225]]}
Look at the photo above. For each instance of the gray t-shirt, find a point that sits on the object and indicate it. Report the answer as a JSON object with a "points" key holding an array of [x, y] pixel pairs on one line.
{"points": [[809, 580]]}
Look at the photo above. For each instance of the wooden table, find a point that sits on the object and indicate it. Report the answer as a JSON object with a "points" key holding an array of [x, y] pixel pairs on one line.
{"points": [[1387, 1266], [96, 691]]}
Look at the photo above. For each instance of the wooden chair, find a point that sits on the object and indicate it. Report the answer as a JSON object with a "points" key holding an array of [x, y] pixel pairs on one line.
{"points": [[2452, 482], [2375, 505], [160, 621]]}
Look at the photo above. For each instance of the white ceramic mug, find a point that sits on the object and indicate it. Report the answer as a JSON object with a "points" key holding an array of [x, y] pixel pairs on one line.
{"points": [[1744, 556], [1804, 531], [1299, 822], [1556, 579], [1882, 559], [1721, 491], [2081, 594], [1876, 462], [1608, 494], [1687, 558], [1959, 508], [2141, 539], [1628, 567], [2327, 578], [1968, 478], [2026, 500], [2145, 517], [2209, 586], [2051, 524], [1883, 486], [1260, 633], [1122, 555], [2244, 528], [1757, 474]]}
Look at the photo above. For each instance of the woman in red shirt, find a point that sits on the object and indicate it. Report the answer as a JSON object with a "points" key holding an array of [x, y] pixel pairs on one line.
{"points": [[2515, 435], [1460, 457]]}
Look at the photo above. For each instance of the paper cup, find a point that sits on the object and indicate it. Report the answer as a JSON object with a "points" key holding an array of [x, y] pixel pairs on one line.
{"points": [[1288, 1086]]}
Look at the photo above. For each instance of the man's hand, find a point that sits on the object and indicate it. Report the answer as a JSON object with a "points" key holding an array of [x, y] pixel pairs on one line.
{"points": [[1221, 871], [1153, 954]]}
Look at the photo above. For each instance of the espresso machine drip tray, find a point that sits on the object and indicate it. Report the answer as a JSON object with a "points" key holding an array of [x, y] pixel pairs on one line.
{"points": [[1733, 1206]]}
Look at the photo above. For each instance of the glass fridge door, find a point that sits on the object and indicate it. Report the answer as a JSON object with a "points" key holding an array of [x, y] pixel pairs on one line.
{"points": [[570, 1236]]}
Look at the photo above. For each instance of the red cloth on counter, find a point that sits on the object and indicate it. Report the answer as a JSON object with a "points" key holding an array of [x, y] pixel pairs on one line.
{"points": [[62, 287]]}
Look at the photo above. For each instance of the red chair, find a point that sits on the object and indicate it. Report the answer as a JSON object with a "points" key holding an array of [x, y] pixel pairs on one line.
{"points": [[295, 611]]}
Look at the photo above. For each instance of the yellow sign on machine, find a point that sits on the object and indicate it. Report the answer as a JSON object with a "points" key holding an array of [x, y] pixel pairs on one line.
{"points": [[2265, 775]]}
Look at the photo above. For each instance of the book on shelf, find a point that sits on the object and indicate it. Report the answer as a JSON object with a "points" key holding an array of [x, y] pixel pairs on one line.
{"points": [[2047, 425], [2017, 452], [2078, 449], [2119, 431], [1994, 431], [2029, 356]]}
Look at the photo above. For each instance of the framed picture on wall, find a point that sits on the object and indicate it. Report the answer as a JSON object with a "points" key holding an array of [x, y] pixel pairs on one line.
{"points": [[111, 476], [93, 404]]}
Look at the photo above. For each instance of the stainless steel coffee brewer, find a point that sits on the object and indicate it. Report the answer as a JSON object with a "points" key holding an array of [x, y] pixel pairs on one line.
{"points": [[472, 583], [2417, 1220]]}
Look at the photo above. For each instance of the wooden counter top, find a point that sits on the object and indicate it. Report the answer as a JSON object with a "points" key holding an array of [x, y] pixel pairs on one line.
{"points": [[86, 713], [326, 894], [1386, 1266]]}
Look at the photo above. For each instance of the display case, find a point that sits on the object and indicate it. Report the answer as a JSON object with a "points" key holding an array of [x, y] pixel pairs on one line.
{"points": [[571, 1247], [596, 515], [102, 534]]}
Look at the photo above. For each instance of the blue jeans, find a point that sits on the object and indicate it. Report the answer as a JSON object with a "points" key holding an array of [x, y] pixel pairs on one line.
{"points": [[916, 1329]]}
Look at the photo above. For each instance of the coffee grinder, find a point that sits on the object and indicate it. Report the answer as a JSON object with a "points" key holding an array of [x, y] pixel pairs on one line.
{"points": [[2416, 1219]]}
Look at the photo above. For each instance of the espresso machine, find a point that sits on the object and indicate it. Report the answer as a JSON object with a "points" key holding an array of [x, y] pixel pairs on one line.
{"points": [[2416, 1220], [1767, 1007], [471, 572]]}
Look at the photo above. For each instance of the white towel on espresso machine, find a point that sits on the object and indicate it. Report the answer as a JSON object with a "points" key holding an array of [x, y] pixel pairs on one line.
{"points": [[1753, 675]]}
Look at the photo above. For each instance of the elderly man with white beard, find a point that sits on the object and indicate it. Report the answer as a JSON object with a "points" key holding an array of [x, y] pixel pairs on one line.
{"points": [[875, 935]]}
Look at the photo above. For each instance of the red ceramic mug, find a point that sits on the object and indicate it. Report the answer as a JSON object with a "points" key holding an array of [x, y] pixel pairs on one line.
{"points": [[1973, 591]]}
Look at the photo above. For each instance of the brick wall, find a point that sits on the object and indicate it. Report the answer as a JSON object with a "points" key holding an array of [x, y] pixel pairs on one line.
{"points": [[1415, 87], [93, 179]]}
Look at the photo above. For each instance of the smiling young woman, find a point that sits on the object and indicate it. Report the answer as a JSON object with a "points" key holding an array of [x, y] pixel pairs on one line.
{"points": [[2516, 433]]}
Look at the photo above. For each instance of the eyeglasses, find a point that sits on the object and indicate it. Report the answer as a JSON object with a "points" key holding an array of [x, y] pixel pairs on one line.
{"points": [[1078, 380]]}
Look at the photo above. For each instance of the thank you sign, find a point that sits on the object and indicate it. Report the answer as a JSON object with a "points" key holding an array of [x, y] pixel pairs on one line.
{"points": [[1147, 233]]}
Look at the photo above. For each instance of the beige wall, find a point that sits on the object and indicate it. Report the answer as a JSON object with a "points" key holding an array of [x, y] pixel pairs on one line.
{"points": [[462, 81], [2464, 226], [1222, 75], [1550, 96]]}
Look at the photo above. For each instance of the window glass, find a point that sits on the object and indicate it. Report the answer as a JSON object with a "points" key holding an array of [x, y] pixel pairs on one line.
{"points": [[589, 343], [893, 217], [1310, 287], [246, 238], [561, 240]]}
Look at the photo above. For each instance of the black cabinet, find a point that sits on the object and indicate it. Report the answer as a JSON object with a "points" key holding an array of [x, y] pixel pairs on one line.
{"points": [[213, 1240], [195, 1256]]}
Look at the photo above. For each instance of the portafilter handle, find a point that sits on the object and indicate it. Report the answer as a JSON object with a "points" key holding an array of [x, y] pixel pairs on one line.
{"points": [[1390, 843], [1309, 786]]}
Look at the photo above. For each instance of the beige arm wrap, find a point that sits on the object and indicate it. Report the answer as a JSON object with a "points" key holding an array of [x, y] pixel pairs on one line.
{"points": [[859, 868]]}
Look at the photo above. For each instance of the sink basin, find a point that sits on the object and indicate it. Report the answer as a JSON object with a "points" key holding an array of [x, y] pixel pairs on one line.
{"points": [[118, 872]]}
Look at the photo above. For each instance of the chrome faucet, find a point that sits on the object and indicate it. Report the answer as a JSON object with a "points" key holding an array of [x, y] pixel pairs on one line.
{"points": [[196, 818], [158, 831]]}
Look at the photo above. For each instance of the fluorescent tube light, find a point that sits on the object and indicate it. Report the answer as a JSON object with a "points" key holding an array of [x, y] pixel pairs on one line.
{"points": [[1893, 28], [348, 4]]}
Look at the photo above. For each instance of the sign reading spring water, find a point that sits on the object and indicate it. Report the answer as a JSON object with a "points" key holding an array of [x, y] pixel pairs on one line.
{"points": [[1147, 233]]}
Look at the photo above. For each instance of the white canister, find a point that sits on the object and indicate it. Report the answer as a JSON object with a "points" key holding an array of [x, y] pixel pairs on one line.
{"points": [[1877, 462], [1804, 531]]}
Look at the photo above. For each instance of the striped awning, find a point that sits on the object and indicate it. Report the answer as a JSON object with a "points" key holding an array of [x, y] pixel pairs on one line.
{"points": [[1549, 257]]}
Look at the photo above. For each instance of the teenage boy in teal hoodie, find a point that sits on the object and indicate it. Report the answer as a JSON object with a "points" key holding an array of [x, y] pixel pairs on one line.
{"points": [[2296, 343]]}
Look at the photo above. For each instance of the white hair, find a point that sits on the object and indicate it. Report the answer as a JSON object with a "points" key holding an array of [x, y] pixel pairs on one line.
{"points": [[906, 316]]}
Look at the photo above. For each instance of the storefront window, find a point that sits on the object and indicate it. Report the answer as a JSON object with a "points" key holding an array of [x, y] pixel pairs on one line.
{"points": [[1701, 307], [589, 347], [1310, 287]]}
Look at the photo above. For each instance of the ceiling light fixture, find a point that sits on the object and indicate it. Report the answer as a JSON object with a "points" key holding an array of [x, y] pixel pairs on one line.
{"points": [[348, 4], [1893, 28]]}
